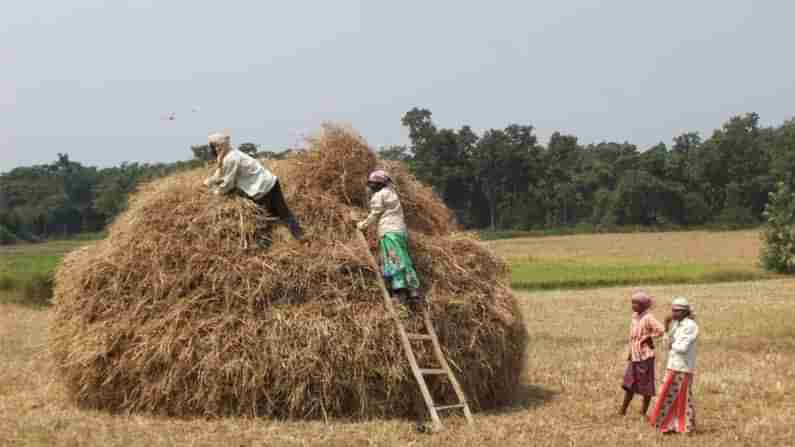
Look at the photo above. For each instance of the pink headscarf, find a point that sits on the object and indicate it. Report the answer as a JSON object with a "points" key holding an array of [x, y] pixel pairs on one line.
{"points": [[643, 298]]}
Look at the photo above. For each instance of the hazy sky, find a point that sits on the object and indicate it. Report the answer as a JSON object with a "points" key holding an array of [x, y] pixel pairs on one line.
{"points": [[96, 78]]}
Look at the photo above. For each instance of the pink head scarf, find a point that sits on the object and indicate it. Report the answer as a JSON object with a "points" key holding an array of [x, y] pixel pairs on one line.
{"points": [[642, 298]]}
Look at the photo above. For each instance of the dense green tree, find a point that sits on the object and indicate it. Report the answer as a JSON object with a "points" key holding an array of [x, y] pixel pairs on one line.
{"points": [[654, 161], [643, 199], [681, 163], [734, 155], [561, 163], [65, 197], [781, 147], [395, 153], [443, 159], [695, 210], [778, 251]]}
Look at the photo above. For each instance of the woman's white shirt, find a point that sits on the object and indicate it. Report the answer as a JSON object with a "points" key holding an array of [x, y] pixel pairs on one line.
{"points": [[682, 340]]}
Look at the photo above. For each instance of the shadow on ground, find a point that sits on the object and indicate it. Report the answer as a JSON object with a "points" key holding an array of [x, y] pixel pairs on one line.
{"points": [[526, 396]]}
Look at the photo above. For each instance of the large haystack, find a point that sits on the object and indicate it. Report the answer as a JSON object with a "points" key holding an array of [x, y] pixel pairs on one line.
{"points": [[195, 305]]}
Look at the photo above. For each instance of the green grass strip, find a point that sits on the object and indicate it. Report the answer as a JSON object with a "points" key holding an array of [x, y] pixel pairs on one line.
{"points": [[544, 274], [28, 265]]}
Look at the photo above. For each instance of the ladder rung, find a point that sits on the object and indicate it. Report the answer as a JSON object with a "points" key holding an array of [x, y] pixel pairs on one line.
{"points": [[419, 337], [433, 371], [448, 407]]}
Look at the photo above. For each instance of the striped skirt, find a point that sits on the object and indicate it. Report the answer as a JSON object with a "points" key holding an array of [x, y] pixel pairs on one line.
{"points": [[674, 410]]}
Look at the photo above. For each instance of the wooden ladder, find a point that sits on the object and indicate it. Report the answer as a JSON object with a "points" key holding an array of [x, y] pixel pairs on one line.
{"points": [[420, 373]]}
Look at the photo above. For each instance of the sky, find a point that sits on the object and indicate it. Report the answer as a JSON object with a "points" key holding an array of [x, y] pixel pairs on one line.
{"points": [[98, 79]]}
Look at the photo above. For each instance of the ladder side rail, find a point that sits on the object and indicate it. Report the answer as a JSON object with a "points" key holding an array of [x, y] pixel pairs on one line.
{"points": [[409, 351], [440, 357]]}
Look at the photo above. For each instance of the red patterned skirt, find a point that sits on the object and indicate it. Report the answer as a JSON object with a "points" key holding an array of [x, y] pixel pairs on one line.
{"points": [[674, 410], [639, 377]]}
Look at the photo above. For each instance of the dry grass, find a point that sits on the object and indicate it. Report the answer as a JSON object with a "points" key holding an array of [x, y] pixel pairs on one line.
{"points": [[744, 388], [733, 248]]}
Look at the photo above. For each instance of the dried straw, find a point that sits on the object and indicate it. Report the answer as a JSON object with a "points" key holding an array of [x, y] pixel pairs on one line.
{"points": [[196, 305]]}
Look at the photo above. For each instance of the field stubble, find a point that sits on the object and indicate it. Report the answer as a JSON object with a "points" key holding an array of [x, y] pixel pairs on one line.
{"points": [[745, 385], [734, 248]]}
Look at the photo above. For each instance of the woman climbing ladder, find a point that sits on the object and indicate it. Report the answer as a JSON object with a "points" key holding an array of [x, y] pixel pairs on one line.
{"points": [[398, 269]]}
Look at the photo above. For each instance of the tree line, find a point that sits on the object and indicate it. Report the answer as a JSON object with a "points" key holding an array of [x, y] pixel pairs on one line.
{"points": [[498, 179], [64, 198], [506, 179]]}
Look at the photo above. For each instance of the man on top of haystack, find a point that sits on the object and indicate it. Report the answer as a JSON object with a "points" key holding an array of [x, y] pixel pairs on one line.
{"points": [[385, 207], [238, 171]]}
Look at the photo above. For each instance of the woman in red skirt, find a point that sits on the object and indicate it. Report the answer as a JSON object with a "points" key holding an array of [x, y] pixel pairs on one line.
{"points": [[674, 411]]}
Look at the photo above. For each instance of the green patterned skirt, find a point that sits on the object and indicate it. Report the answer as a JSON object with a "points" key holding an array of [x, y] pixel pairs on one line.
{"points": [[399, 271]]}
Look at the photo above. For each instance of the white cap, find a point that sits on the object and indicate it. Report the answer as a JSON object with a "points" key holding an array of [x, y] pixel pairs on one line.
{"points": [[218, 138], [680, 302]]}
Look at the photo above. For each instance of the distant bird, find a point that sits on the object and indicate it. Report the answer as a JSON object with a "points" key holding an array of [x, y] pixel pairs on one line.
{"points": [[171, 116]]}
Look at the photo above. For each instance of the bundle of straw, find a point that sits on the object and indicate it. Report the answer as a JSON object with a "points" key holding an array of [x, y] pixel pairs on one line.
{"points": [[197, 305]]}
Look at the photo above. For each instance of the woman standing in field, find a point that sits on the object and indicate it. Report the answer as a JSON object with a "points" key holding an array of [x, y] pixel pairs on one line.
{"points": [[385, 208], [674, 411], [639, 375]]}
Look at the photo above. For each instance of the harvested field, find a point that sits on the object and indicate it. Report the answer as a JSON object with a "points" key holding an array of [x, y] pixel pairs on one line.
{"points": [[734, 248], [198, 305], [568, 396]]}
